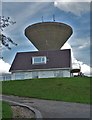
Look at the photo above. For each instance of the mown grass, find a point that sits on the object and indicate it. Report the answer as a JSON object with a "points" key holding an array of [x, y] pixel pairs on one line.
{"points": [[0, 109], [6, 110], [75, 89], [0, 87]]}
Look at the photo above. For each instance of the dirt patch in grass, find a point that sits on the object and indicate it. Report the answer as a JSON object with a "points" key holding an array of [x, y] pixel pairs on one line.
{"points": [[22, 112]]}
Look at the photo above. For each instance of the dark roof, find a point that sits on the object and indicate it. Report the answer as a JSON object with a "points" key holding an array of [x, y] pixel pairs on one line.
{"points": [[56, 59]]}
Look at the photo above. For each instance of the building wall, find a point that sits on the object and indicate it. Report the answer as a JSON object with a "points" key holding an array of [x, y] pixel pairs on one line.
{"points": [[54, 73], [41, 74], [36, 74], [21, 75], [46, 74], [66, 73]]}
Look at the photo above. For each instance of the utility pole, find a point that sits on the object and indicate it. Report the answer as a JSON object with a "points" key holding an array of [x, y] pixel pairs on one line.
{"points": [[42, 18], [53, 17]]}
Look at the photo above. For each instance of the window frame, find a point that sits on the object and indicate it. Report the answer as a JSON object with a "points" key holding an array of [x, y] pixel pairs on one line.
{"points": [[41, 62]]}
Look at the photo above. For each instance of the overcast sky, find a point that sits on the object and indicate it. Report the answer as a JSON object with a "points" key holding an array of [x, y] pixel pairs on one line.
{"points": [[75, 14]]}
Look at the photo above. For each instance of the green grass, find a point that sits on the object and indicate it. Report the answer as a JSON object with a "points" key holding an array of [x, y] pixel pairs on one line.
{"points": [[6, 110], [0, 109], [0, 87], [76, 89]]}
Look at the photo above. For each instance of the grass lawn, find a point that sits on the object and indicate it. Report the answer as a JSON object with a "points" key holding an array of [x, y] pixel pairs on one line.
{"points": [[6, 111], [0, 109], [0, 87], [75, 89]]}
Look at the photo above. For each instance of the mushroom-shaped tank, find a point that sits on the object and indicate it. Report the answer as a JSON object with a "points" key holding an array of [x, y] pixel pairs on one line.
{"points": [[48, 35]]}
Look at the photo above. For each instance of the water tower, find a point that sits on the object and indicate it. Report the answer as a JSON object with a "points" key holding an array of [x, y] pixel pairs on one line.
{"points": [[48, 35], [48, 38]]}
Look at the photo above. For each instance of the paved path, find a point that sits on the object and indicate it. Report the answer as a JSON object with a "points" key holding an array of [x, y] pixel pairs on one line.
{"points": [[32, 111], [54, 109]]}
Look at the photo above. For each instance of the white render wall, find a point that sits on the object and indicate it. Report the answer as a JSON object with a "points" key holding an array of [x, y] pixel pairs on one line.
{"points": [[66, 73], [41, 74], [54, 73], [36, 74], [46, 74], [21, 75]]}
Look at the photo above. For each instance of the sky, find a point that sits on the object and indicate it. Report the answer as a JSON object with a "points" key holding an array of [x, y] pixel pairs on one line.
{"points": [[25, 13]]}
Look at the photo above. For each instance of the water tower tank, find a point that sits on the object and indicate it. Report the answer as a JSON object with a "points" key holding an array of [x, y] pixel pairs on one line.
{"points": [[48, 35]]}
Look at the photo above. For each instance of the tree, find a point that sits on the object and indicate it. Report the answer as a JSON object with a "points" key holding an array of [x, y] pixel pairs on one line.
{"points": [[5, 22]]}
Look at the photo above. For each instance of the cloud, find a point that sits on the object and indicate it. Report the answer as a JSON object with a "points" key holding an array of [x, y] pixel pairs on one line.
{"points": [[76, 8], [80, 43], [87, 70], [24, 15], [81, 48], [4, 67]]}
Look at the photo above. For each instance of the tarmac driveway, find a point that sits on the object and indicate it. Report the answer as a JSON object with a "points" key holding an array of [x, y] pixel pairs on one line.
{"points": [[54, 109]]}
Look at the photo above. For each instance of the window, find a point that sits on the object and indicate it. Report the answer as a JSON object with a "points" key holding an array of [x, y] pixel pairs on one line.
{"points": [[39, 60]]}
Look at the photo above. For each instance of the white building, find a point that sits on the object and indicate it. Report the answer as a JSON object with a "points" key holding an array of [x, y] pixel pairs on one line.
{"points": [[41, 64]]}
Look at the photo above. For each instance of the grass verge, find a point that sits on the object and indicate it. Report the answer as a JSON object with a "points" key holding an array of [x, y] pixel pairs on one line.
{"points": [[6, 110], [75, 89]]}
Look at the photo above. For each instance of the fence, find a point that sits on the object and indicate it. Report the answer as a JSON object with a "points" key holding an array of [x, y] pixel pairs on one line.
{"points": [[6, 77]]}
